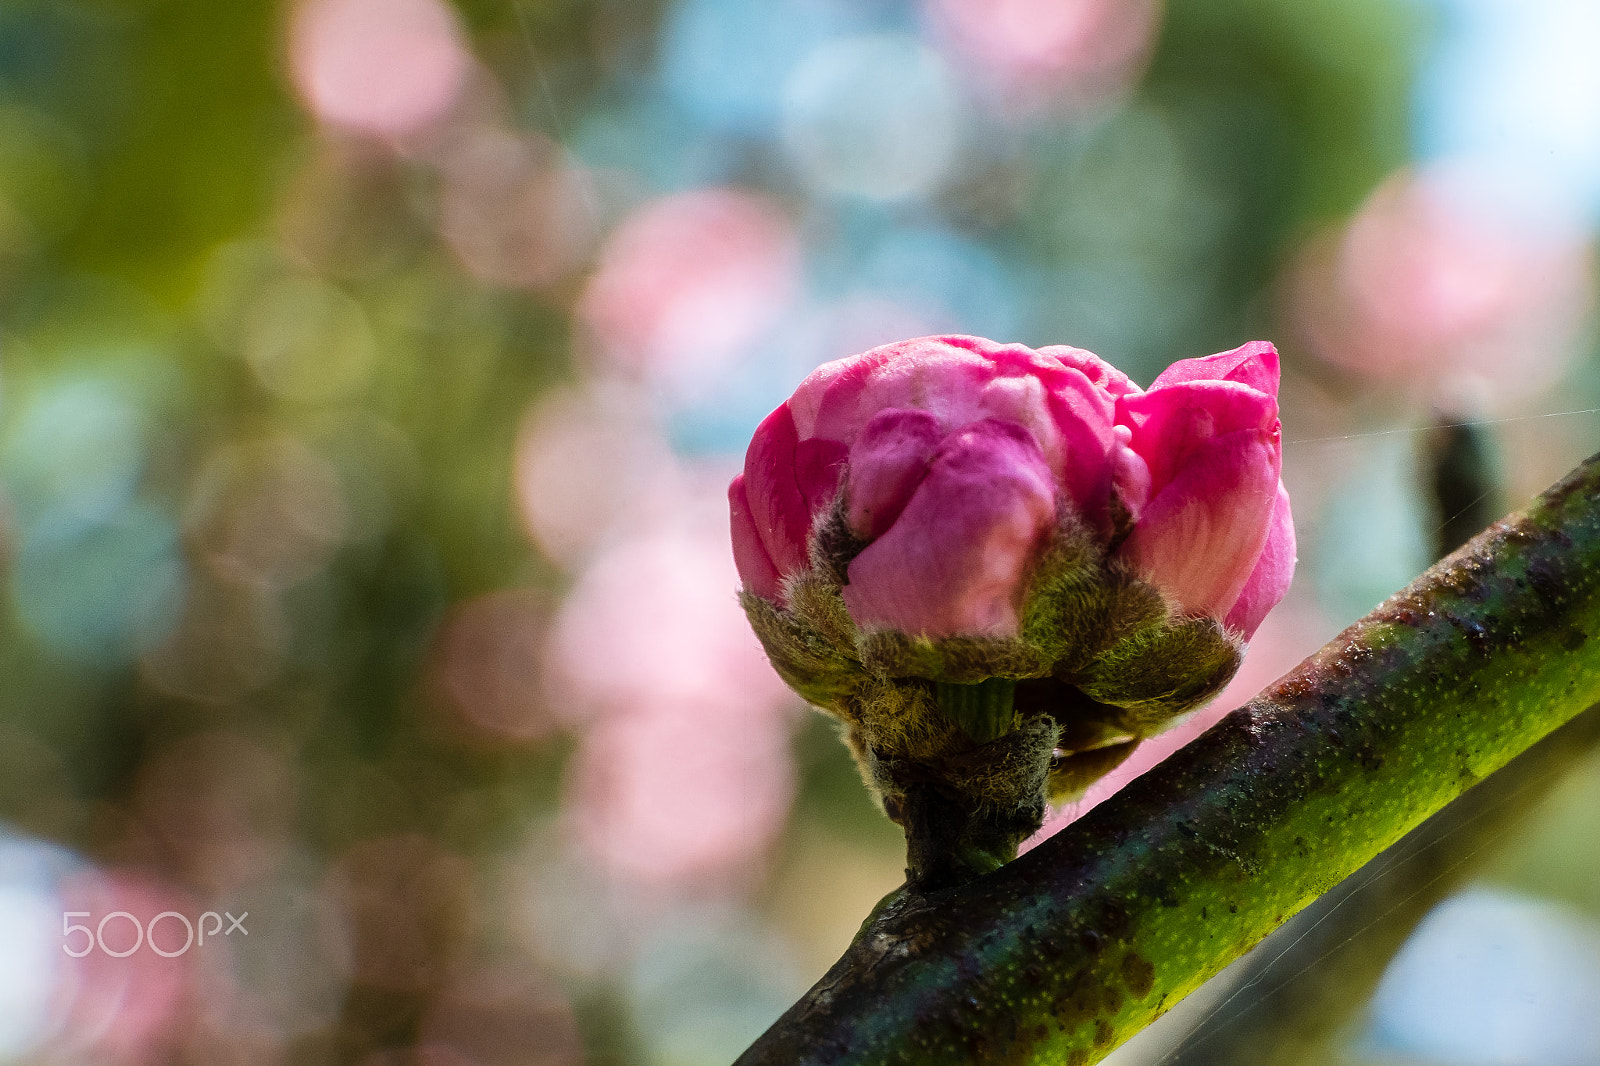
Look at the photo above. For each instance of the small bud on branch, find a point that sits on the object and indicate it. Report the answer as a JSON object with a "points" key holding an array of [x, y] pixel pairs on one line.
{"points": [[1002, 568]]}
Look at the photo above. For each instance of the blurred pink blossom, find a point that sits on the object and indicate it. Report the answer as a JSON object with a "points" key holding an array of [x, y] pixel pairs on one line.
{"points": [[588, 463], [682, 776], [653, 620], [682, 794], [386, 68], [1032, 53], [1431, 285], [688, 280], [514, 210], [486, 665], [125, 1010]]}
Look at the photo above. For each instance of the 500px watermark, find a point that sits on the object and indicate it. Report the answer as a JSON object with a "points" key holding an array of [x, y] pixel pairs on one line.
{"points": [[145, 934]]}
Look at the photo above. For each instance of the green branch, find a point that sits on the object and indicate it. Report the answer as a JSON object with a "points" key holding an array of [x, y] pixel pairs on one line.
{"points": [[1068, 951], [1316, 972]]}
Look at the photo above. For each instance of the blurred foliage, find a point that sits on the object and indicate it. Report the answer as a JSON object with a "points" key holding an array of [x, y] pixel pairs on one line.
{"points": [[259, 422]]}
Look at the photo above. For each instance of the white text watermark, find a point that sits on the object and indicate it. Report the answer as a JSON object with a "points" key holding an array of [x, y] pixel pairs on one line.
{"points": [[137, 934]]}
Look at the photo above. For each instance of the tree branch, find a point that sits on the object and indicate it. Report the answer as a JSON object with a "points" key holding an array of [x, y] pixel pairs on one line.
{"points": [[1318, 970], [1066, 952]]}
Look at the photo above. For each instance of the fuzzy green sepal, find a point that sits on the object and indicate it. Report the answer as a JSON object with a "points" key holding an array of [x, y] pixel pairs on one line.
{"points": [[1104, 658], [985, 711]]}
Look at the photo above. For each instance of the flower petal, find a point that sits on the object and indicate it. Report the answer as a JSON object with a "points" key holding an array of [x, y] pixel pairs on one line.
{"points": [[1130, 475], [960, 380], [818, 464], [749, 554], [1172, 423], [1270, 579], [778, 508], [1254, 364], [954, 562], [1100, 373], [887, 463], [1201, 535]]}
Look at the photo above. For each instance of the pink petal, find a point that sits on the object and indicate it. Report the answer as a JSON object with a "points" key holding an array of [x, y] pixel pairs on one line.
{"points": [[778, 507], [1171, 423], [818, 465], [1274, 570], [1130, 475], [837, 399], [1083, 416], [960, 380], [954, 562], [887, 463], [835, 383], [927, 374], [1100, 373], [1201, 535], [749, 554], [1254, 364]]}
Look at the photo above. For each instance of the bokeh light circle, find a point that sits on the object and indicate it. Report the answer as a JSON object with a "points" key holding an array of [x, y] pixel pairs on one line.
{"points": [[688, 280], [381, 67], [1031, 53], [876, 116]]}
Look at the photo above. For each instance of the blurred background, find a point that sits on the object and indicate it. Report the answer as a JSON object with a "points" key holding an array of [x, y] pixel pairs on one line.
{"points": [[371, 373]]}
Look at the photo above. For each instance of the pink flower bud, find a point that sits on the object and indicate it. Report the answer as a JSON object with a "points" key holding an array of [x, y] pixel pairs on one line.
{"points": [[1216, 522], [952, 562], [1270, 578], [956, 450], [957, 458], [1001, 568]]}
